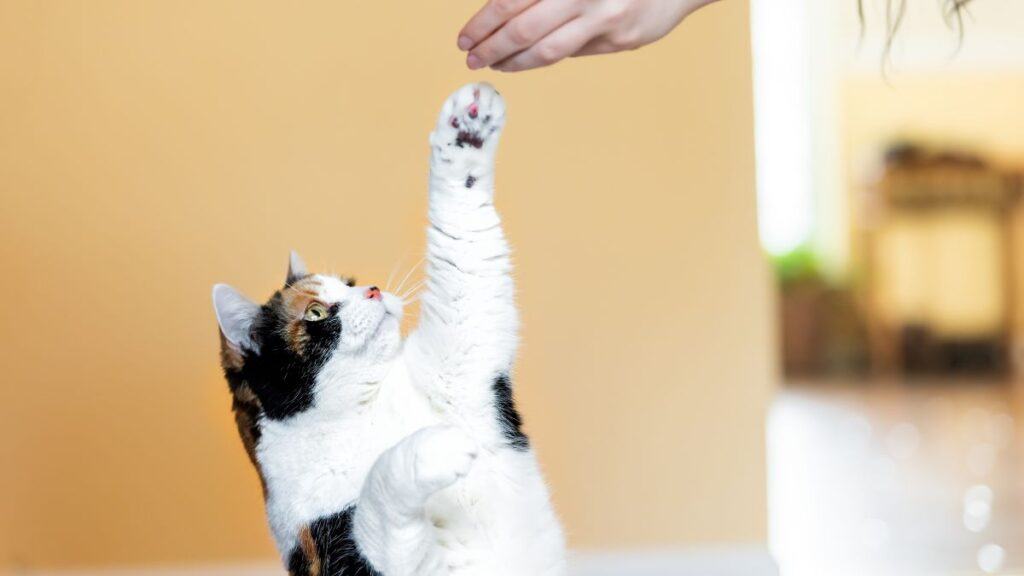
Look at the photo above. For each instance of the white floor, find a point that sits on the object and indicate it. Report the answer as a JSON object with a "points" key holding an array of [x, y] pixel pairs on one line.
{"points": [[740, 561], [898, 479], [724, 561]]}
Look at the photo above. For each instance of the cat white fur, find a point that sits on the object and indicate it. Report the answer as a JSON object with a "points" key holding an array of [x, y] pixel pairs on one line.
{"points": [[409, 432]]}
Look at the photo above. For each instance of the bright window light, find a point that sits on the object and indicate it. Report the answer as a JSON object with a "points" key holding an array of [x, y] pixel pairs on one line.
{"points": [[783, 135]]}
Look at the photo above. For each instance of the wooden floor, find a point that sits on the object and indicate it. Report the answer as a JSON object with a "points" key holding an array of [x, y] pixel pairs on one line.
{"points": [[877, 478]]}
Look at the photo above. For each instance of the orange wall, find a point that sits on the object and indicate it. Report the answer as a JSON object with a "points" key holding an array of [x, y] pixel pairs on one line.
{"points": [[150, 149]]}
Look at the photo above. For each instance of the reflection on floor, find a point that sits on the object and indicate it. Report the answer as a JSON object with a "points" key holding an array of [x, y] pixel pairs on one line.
{"points": [[876, 479]]}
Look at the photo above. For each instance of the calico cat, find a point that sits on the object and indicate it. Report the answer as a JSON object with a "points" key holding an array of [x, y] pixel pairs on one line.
{"points": [[384, 457]]}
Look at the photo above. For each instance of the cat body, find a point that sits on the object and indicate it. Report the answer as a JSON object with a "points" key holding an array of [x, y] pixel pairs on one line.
{"points": [[379, 456]]}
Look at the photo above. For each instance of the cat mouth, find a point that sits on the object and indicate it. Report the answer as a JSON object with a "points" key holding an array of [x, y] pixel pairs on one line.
{"points": [[392, 306], [388, 314]]}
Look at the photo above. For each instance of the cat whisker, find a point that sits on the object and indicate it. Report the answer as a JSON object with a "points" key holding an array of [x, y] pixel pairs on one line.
{"points": [[409, 273], [410, 299], [391, 275], [413, 290]]}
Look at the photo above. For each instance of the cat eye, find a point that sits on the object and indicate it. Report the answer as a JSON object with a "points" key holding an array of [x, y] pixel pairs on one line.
{"points": [[315, 312]]}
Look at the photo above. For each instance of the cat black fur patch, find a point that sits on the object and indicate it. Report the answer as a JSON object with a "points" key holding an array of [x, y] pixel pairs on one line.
{"points": [[336, 550], [278, 375], [508, 417]]}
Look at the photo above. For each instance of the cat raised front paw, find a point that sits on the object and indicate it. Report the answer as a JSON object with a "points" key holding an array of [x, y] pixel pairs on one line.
{"points": [[471, 120]]}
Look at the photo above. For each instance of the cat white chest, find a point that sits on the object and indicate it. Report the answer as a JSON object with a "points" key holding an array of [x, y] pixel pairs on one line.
{"points": [[314, 463], [311, 467]]}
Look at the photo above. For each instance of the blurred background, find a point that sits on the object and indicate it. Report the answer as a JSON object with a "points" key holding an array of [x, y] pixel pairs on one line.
{"points": [[818, 375], [889, 180]]}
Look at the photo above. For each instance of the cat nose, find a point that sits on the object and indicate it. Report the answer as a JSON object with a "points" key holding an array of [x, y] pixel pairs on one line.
{"points": [[373, 293]]}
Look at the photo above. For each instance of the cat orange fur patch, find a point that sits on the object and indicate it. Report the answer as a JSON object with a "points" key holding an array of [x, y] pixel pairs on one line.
{"points": [[309, 550], [247, 409], [294, 299], [230, 356], [297, 337]]}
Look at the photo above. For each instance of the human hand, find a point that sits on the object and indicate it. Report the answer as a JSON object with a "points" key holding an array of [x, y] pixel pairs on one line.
{"points": [[514, 35]]}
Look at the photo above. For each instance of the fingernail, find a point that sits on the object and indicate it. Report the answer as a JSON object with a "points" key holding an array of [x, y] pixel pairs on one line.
{"points": [[465, 43], [473, 61]]}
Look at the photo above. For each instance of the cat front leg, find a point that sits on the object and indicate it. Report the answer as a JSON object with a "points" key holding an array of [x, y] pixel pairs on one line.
{"points": [[390, 525], [468, 330]]}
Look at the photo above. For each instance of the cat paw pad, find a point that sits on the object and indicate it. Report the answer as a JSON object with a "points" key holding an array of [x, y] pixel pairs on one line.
{"points": [[471, 118]]}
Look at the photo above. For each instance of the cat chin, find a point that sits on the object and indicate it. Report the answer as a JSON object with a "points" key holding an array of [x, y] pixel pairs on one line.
{"points": [[389, 333], [382, 342]]}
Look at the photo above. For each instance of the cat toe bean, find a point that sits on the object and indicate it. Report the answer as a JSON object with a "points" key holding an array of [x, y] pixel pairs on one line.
{"points": [[471, 118]]}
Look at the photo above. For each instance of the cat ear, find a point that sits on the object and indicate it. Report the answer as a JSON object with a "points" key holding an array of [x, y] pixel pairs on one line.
{"points": [[235, 314], [296, 268]]}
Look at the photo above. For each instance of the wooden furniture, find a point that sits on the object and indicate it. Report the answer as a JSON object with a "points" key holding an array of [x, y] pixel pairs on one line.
{"points": [[939, 263]]}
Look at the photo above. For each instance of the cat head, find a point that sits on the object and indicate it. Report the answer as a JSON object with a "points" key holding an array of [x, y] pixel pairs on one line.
{"points": [[276, 354]]}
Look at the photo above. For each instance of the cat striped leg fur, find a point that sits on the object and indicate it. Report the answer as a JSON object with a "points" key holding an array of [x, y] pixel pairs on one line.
{"points": [[468, 329]]}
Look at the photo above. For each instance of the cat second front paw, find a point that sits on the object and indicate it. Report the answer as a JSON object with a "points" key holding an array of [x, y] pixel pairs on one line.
{"points": [[469, 124], [443, 454]]}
